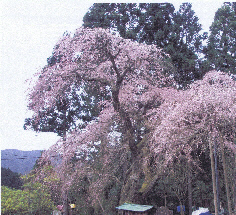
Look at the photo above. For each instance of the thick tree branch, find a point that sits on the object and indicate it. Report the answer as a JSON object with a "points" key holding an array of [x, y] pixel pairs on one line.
{"points": [[123, 114], [79, 77]]}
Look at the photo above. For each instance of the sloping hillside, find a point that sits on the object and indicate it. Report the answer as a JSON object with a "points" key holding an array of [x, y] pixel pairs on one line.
{"points": [[19, 161]]}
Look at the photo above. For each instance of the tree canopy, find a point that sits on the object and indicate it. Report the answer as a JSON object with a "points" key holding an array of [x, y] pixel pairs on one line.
{"points": [[143, 125], [96, 56]]}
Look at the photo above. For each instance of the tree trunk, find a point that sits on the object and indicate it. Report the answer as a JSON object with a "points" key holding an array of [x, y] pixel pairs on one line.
{"points": [[131, 186], [65, 196], [217, 176], [65, 205], [226, 179], [190, 199], [213, 176], [165, 201], [181, 207], [234, 184]]}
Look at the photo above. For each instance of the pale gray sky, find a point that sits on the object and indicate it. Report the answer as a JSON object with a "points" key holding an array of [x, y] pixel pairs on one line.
{"points": [[29, 31]]}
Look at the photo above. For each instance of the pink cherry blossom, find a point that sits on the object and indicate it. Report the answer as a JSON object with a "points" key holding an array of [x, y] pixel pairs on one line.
{"points": [[145, 120]]}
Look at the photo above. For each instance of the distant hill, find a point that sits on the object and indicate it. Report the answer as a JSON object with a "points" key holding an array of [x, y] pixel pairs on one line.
{"points": [[19, 161]]}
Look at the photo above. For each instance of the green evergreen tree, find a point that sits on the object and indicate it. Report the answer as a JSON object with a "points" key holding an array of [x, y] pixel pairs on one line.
{"points": [[77, 108], [221, 49], [155, 23], [119, 17], [178, 33], [186, 44]]}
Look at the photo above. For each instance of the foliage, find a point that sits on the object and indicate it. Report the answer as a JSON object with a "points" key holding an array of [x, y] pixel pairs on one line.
{"points": [[208, 108], [119, 17], [13, 201], [30, 200], [48, 178], [171, 186], [76, 109], [221, 44], [10, 179], [178, 33], [207, 116], [186, 45]]}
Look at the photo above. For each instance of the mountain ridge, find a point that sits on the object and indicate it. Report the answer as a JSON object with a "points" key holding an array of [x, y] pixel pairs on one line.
{"points": [[19, 161]]}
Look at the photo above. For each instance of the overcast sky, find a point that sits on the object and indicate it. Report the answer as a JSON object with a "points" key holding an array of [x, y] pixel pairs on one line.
{"points": [[29, 31]]}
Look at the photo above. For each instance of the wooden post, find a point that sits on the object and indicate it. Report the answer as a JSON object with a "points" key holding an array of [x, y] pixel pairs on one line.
{"points": [[226, 179], [190, 199], [213, 176]]}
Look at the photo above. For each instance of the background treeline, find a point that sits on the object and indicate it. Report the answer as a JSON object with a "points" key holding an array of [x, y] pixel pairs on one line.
{"points": [[10, 179], [179, 33]]}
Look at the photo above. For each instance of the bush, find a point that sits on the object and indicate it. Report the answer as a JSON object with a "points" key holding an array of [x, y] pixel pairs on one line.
{"points": [[32, 200]]}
